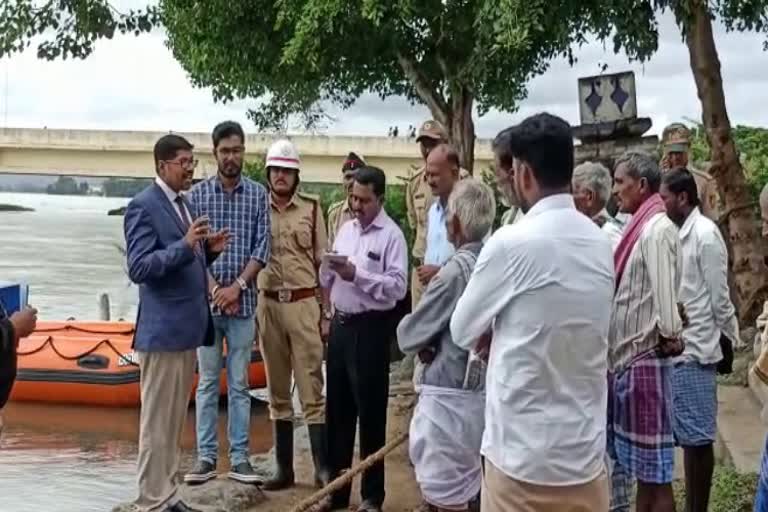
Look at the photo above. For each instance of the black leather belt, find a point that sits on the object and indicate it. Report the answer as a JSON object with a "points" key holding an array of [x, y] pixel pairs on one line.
{"points": [[354, 318]]}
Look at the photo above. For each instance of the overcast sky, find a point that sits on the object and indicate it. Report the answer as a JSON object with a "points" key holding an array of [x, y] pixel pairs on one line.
{"points": [[133, 83]]}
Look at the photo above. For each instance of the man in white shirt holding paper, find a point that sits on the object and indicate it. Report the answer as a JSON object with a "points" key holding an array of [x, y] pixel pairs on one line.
{"points": [[706, 298], [544, 286]]}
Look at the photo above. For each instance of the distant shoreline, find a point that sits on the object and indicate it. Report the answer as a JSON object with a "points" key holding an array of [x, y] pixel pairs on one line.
{"points": [[14, 208]]}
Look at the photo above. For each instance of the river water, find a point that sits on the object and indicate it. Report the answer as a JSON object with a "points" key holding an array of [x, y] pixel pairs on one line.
{"points": [[64, 458]]}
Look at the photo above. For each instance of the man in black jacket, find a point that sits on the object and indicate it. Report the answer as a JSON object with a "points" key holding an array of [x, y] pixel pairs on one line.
{"points": [[18, 325]]}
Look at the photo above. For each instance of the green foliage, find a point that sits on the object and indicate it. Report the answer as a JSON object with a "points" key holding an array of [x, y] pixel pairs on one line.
{"points": [[68, 28], [752, 145], [438, 53], [731, 491]]}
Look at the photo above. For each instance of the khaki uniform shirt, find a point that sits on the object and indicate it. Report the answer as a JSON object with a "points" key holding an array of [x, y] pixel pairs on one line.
{"points": [[418, 199], [338, 214], [292, 265]]}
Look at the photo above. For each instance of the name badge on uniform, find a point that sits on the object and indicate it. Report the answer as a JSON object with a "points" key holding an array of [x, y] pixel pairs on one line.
{"points": [[374, 256]]}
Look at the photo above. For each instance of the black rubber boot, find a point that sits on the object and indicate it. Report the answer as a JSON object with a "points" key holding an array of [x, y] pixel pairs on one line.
{"points": [[282, 433], [319, 445]]}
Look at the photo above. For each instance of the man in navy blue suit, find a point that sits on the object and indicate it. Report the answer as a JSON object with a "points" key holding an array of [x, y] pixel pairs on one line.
{"points": [[168, 254]]}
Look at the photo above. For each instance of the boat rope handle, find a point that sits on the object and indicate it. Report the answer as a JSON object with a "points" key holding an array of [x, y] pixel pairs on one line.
{"points": [[125, 332], [49, 341]]}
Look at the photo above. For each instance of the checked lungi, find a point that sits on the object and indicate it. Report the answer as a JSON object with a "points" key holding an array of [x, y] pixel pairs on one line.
{"points": [[694, 403], [640, 436]]}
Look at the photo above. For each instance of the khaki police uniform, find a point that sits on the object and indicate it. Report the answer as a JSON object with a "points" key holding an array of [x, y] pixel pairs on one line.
{"points": [[418, 197], [288, 311], [338, 214], [677, 138]]}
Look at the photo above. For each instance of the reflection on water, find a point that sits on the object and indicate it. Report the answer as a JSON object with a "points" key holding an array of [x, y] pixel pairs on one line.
{"points": [[86, 456]]}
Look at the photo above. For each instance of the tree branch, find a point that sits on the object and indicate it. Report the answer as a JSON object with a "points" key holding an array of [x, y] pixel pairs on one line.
{"points": [[434, 100]]}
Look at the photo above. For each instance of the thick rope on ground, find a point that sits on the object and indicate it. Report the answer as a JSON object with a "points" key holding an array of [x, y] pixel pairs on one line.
{"points": [[348, 476]]}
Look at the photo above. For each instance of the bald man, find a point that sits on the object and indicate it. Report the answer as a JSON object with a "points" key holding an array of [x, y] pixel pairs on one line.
{"points": [[442, 173]]}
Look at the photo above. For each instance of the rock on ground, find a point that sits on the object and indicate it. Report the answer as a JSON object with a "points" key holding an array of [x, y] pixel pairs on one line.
{"points": [[220, 495], [402, 492]]}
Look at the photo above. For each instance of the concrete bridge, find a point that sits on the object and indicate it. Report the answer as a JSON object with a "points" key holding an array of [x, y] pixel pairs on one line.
{"points": [[128, 154]]}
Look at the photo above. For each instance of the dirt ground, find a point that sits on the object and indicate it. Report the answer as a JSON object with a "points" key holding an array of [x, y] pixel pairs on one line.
{"points": [[402, 493]]}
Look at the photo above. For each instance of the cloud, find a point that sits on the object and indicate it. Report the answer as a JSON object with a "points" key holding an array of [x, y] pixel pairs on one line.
{"points": [[135, 84]]}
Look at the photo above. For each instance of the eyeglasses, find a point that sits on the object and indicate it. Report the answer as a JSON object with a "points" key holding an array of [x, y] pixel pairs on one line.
{"points": [[184, 164]]}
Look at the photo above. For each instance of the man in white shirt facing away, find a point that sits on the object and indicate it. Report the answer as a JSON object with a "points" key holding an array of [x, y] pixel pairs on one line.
{"points": [[706, 298], [592, 184], [546, 392], [645, 334]]}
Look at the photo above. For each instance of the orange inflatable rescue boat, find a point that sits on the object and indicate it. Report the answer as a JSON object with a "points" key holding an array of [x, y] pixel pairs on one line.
{"points": [[91, 363]]}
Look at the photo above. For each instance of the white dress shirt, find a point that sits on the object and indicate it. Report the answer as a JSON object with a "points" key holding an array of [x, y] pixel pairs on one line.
{"points": [[645, 304], [171, 195], [613, 227], [545, 284], [704, 290]]}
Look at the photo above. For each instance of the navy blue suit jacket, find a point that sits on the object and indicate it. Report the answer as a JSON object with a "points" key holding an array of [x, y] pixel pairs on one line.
{"points": [[174, 313]]}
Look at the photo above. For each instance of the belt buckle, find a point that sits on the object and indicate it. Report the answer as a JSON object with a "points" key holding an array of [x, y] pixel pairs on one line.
{"points": [[284, 296]]}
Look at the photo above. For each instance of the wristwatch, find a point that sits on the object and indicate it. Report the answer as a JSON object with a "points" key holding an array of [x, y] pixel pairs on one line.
{"points": [[327, 314], [242, 283]]}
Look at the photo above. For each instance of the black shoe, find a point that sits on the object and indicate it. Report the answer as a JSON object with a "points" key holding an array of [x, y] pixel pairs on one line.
{"points": [[180, 506], [245, 474], [317, 440], [367, 506], [201, 473], [283, 437]]}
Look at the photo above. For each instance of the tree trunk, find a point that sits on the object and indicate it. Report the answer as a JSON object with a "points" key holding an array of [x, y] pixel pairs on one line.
{"points": [[462, 127], [455, 114], [738, 220]]}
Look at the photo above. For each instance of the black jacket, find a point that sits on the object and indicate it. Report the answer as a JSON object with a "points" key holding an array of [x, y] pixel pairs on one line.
{"points": [[7, 357]]}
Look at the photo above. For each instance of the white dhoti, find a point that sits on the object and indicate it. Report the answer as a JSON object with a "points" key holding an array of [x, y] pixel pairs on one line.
{"points": [[444, 444]]}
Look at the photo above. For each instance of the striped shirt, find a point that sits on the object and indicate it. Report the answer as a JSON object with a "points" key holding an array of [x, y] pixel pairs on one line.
{"points": [[645, 303], [245, 213]]}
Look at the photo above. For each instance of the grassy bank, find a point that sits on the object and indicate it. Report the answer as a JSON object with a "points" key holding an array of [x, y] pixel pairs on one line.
{"points": [[731, 491]]}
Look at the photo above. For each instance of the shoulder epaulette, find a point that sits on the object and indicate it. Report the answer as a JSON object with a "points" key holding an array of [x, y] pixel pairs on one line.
{"points": [[309, 197], [416, 174], [336, 206]]}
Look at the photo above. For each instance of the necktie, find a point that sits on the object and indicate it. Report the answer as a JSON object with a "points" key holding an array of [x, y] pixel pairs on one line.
{"points": [[185, 219], [184, 216]]}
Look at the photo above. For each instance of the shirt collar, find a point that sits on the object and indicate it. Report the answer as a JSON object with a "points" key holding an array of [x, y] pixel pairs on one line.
{"points": [[169, 193], [220, 187], [289, 204], [377, 222], [687, 226], [473, 247], [553, 202]]}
